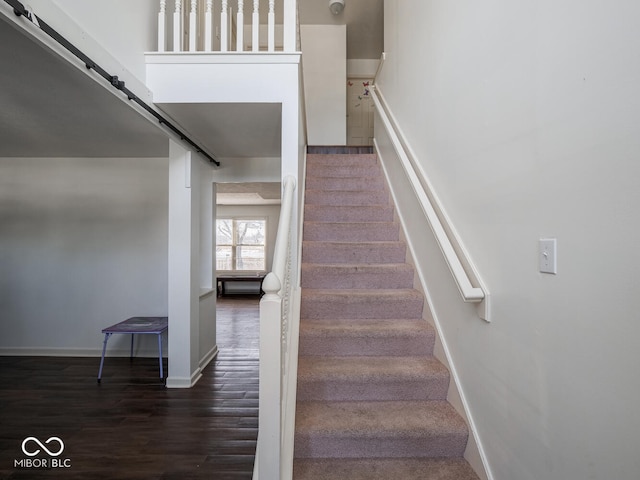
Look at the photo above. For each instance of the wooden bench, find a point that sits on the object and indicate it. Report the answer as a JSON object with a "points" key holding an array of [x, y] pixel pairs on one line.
{"points": [[223, 279]]}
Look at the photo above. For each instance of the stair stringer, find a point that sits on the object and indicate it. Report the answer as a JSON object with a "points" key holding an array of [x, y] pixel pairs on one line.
{"points": [[474, 453]]}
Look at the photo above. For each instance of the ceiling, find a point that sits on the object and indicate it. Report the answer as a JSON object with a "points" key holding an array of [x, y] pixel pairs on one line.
{"points": [[248, 193], [52, 108]]}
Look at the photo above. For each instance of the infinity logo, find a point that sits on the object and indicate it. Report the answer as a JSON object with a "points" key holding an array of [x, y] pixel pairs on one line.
{"points": [[36, 452]]}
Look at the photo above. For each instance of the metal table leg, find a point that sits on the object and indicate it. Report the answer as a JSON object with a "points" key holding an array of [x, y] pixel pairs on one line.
{"points": [[104, 349], [160, 354]]}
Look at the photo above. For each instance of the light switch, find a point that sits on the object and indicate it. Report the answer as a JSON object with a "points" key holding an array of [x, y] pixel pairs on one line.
{"points": [[547, 255]]}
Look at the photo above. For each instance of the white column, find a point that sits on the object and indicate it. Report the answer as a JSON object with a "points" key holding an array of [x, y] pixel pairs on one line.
{"points": [[177, 27], [255, 28], [193, 25], [224, 27], [184, 269], [271, 20], [162, 18], [208, 26], [240, 27]]}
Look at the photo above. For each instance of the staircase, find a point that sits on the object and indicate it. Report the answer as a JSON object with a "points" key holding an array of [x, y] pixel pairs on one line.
{"points": [[371, 401]]}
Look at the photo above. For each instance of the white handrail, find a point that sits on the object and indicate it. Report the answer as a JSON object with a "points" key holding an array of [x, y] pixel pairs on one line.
{"points": [[274, 334], [284, 228], [468, 291]]}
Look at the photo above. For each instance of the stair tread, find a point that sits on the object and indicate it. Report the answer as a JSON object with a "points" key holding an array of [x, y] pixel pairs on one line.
{"points": [[379, 337], [361, 275], [385, 419], [366, 327], [382, 469], [349, 368], [358, 266], [356, 293]]}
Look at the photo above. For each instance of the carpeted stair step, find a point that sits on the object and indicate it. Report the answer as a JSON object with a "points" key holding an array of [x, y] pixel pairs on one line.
{"points": [[339, 213], [382, 469], [366, 378], [392, 303], [351, 231], [344, 170], [347, 198], [379, 429], [356, 276], [339, 337], [345, 183], [342, 159], [349, 252]]}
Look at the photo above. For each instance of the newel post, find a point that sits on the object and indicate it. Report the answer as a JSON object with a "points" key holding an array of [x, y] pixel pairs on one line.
{"points": [[270, 379]]}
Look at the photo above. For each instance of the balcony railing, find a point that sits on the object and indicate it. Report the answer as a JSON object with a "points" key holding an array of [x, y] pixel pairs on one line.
{"points": [[227, 26]]}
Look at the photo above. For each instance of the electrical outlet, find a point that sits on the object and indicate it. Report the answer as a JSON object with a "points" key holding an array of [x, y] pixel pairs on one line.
{"points": [[547, 255]]}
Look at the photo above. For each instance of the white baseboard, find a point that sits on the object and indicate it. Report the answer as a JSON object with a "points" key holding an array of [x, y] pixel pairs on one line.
{"points": [[210, 355], [184, 382], [73, 352]]}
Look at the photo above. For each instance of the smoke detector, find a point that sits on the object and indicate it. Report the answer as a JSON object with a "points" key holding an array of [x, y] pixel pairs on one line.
{"points": [[336, 6]]}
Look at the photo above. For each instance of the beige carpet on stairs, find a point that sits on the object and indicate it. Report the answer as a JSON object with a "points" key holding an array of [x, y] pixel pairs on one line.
{"points": [[371, 400]]}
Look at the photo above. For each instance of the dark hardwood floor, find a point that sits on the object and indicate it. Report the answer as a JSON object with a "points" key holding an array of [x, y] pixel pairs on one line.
{"points": [[131, 426]]}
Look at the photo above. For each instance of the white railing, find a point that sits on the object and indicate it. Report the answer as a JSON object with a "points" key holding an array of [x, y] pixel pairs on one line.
{"points": [[278, 358], [219, 26], [470, 285]]}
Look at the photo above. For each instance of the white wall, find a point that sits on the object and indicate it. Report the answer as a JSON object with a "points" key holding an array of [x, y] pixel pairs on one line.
{"points": [[324, 56], [362, 68], [526, 118], [83, 245], [124, 28], [114, 34]]}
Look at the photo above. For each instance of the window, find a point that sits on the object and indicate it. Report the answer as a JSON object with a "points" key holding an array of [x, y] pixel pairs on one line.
{"points": [[240, 244]]}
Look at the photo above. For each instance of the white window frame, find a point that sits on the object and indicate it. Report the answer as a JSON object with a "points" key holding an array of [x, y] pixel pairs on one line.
{"points": [[234, 244]]}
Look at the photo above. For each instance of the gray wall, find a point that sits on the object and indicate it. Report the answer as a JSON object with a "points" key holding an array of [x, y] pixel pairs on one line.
{"points": [[83, 245]]}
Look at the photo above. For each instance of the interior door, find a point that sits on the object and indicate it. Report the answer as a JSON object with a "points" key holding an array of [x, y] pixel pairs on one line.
{"points": [[359, 112]]}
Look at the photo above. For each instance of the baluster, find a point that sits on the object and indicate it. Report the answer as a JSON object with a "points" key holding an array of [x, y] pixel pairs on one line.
{"points": [[255, 29], [289, 23], [240, 38], [161, 26], [177, 24], [224, 26], [272, 26], [208, 26], [193, 22]]}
